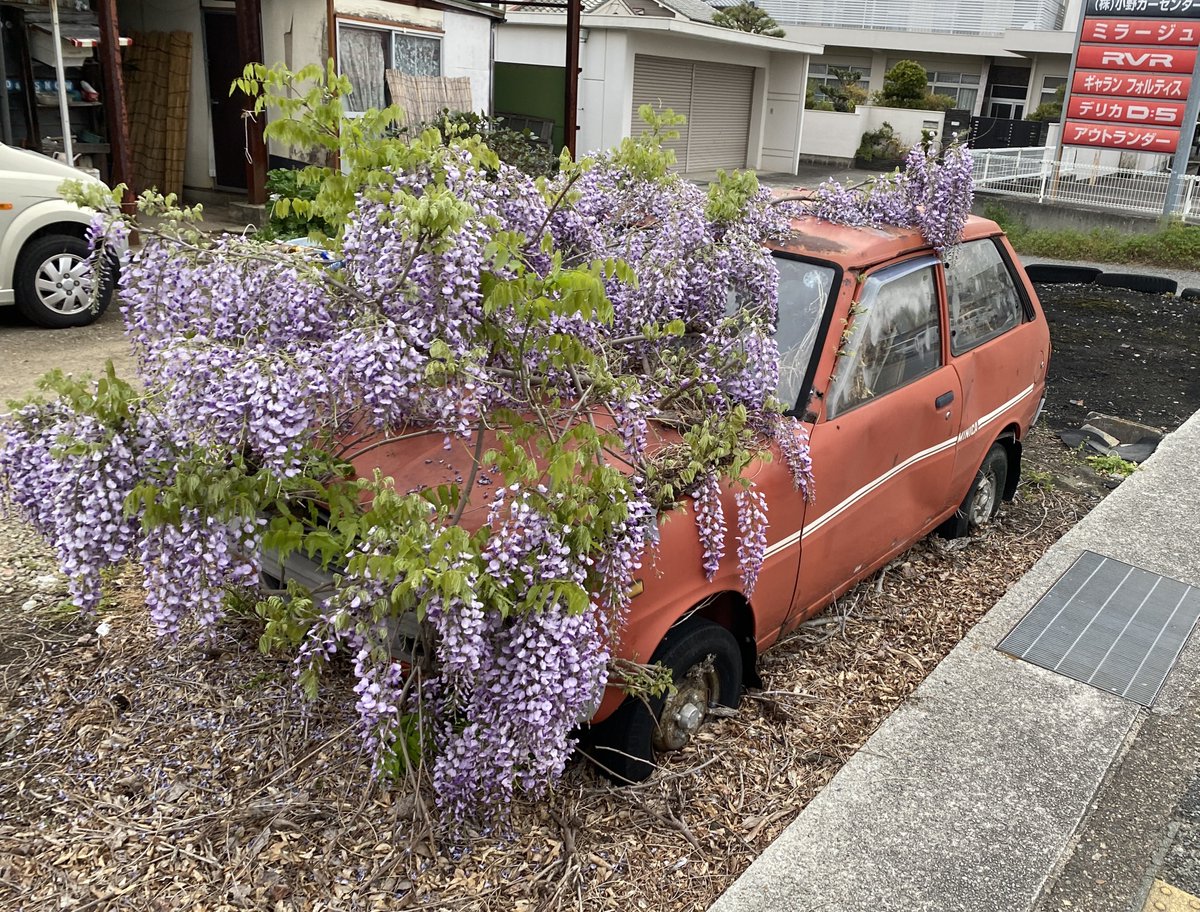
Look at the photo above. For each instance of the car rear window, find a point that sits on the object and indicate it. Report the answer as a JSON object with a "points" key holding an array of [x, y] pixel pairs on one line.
{"points": [[984, 302]]}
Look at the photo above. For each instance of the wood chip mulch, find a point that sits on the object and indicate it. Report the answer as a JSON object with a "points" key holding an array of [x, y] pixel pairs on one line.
{"points": [[138, 777]]}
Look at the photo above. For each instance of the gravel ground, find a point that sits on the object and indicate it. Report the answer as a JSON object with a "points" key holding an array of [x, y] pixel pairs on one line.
{"points": [[134, 776], [138, 777], [27, 352]]}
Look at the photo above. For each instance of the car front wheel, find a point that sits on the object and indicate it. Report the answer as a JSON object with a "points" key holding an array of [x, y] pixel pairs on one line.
{"points": [[53, 282], [706, 666]]}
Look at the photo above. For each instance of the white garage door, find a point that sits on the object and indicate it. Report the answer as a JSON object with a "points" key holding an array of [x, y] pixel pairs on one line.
{"points": [[715, 98]]}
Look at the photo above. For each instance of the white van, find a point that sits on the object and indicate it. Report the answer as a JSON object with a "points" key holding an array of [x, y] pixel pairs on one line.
{"points": [[45, 268]]}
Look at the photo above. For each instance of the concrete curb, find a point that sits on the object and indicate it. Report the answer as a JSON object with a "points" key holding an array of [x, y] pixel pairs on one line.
{"points": [[968, 796]]}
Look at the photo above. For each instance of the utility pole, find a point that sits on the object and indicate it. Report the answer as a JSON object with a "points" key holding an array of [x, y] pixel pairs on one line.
{"points": [[571, 102]]}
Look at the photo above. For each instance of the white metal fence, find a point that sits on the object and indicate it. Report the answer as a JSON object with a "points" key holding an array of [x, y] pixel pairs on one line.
{"points": [[1104, 181]]}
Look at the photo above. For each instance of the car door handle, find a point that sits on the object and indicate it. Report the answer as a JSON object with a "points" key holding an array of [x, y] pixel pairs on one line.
{"points": [[943, 400]]}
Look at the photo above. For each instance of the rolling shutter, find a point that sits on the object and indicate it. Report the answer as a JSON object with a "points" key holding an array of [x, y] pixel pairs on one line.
{"points": [[720, 123], [716, 99], [662, 83]]}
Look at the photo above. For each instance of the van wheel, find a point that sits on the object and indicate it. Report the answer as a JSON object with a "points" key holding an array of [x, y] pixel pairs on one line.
{"points": [[706, 666], [983, 499], [52, 282]]}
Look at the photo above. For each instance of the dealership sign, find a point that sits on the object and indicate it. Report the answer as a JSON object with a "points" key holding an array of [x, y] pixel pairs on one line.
{"points": [[1133, 73]]}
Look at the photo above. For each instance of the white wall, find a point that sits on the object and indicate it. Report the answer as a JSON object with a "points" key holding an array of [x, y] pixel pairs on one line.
{"points": [[666, 45], [606, 59], [784, 117], [832, 134], [467, 51], [908, 124], [605, 88], [294, 34], [171, 16]]}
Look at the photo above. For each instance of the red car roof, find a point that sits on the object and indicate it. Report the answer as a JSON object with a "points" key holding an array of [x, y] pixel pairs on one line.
{"points": [[857, 247]]}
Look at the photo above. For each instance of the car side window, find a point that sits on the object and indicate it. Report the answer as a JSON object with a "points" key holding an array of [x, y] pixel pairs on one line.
{"points": [[894, 336], [983, 298]]}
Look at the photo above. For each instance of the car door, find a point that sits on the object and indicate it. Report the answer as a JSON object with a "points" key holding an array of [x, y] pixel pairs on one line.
{"points": [[883, 442], [997, 346]]}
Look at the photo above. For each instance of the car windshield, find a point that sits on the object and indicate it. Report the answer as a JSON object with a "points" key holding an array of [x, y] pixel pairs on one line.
{"points": [[804, 291]]}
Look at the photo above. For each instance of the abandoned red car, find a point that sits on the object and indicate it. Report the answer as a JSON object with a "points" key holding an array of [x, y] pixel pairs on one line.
{"points": [[917, 380]]}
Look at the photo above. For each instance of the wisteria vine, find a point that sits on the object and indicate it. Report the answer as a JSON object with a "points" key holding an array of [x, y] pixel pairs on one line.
{"points": [[929, 193], [571, 336]]}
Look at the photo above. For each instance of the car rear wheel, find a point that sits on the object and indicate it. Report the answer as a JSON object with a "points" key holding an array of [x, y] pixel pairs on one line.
{"points": [[706, 666], [53, 280], [983, 500]]}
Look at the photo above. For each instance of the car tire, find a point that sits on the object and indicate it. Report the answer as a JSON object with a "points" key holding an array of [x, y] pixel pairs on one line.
{"points": [[1055, 274], [625, 746], [1147, 284], [52, 282], [1190, 294], [983, 498]]}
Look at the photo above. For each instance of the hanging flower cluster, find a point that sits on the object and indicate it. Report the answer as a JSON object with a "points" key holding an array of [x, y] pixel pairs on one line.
{"points": [[934, 196]]}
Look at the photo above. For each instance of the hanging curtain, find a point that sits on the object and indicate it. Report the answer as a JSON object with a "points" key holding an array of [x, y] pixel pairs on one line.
{"points": [[363, 55]]}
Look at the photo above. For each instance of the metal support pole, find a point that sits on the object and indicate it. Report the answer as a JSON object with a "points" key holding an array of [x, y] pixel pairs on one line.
{"points": [[571, 102], [60, 73], [1187, 131]]}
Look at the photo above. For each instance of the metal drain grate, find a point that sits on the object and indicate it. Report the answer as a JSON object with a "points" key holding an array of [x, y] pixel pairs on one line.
{"points": [[1109, 624]]}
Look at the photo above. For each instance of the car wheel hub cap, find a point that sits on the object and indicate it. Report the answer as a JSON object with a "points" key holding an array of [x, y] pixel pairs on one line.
{"points": [[985, 500], [63, 284], [685, 710]]}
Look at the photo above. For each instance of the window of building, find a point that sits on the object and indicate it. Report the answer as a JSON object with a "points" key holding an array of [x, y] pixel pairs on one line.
{"points": [[984, 302], [819, 74], [365, 52], [895, 339], [962, 87], [1050, 86]]}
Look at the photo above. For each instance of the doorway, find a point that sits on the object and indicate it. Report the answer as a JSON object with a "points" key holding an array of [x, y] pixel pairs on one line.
{"points": [[224, 66]]}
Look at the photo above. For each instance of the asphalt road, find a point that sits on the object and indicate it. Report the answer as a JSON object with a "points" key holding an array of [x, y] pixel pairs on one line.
{"points": [[27, 352]]}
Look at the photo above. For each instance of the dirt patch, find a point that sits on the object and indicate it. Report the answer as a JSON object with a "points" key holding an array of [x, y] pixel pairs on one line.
{"points": [[1132, 355], [136, 777]]}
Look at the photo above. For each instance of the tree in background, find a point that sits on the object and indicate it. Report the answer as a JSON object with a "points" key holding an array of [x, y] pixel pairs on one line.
{"points": [[1050, 110], [906, 85], [746, 17], [845, 94]]}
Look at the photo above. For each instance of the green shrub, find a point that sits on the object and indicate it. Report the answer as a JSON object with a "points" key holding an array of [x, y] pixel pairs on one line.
{"points": [[1050, 110], [515, 147], [881, 145], [285, 222], [906, 85], [1177, 245], [1014, 226]]}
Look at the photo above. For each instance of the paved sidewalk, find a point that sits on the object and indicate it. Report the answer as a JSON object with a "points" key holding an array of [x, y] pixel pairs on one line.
{"points": [[1001, 787]]}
